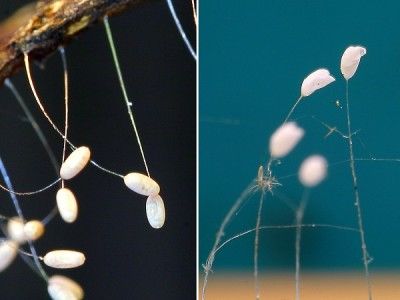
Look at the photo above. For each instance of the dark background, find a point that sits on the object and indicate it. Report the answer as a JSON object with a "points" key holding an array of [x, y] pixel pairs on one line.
{"points": [[126, 258], [254, 57]]}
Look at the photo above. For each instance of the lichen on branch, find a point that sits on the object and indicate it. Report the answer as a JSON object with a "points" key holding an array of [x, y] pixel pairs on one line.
{"points": [[41, 27]]}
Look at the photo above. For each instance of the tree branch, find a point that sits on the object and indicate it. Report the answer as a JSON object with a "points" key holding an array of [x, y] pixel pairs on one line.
{"points": [[40, 28]]}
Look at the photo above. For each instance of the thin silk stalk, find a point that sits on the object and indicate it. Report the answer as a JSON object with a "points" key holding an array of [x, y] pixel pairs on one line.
{"points": [[18, 209], [66, 103], [357, 196], [299, 221], [194, 12], [123, 88], [4, 188], [41, 137], [237, 204], [270, 227], [220, 234], [271, 159], [34, 124], [39, 102], [292, 109], [180, 29], [256, 246]]}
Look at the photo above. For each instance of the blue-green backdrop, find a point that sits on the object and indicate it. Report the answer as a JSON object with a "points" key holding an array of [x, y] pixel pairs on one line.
{"points": [[254, 56]]}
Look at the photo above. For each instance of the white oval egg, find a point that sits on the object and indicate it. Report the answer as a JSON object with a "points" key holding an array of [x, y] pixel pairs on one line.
{"points": [[8, 252], [313, 170], [141, 184], [75, 163], [350, 60], [64, 259], [15, 230], [63, 288], [67, 205], [284, 139], [33, 230], [315, 81], [155, 211]]}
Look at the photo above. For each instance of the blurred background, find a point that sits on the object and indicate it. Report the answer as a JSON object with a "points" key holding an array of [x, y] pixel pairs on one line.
{"points": [[126, 258], [254, 57]]}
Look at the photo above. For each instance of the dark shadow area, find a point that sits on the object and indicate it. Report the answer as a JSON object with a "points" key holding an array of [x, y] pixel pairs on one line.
{"points": [[126, 258]]}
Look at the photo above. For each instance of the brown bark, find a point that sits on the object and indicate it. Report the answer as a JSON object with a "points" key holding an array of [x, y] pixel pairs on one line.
{"points": [[40, 28]]}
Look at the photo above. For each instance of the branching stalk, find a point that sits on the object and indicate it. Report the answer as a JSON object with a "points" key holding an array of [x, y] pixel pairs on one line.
{"points": [[357, 197]]}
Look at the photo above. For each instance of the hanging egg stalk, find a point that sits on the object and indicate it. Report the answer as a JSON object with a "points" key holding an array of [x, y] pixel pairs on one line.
{"points": [[146, 186]]}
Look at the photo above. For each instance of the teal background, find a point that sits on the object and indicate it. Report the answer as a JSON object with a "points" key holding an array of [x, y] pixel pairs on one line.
{"points": [[254, 56]]}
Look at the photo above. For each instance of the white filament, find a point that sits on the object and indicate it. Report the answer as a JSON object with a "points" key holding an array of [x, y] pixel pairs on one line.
{"points": [[124, 92], [180, 29], [39, 102]]}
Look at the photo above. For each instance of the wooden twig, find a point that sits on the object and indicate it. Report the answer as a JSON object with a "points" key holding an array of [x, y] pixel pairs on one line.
{"points": [[40, 28]]}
